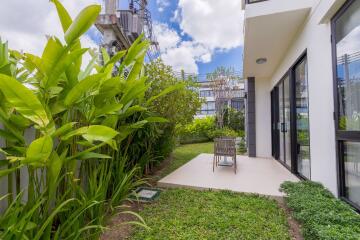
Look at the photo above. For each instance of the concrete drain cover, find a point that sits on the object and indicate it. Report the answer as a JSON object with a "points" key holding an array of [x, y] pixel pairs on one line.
{"points": [[145, 194]]}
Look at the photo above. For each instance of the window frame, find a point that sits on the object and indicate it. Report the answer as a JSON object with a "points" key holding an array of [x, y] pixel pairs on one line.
{"points": [[341, 136]]}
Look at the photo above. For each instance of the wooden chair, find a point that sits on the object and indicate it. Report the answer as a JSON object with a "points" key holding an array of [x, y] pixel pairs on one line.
{"points": [[224, 147]]}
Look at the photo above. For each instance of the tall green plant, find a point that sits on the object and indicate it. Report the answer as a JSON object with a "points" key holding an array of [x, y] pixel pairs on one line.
{"points": [[77, 172]]}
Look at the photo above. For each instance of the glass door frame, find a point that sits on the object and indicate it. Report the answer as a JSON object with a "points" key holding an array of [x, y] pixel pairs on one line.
{"points": [[293, 127], [341, 136], [277, 134]]}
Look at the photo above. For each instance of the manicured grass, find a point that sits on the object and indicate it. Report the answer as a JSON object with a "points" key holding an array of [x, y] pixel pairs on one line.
{"points": [[184, 154], [190, 214]]}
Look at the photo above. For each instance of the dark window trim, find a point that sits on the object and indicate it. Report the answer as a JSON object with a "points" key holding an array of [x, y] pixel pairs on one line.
{"points": [[340, 136]]}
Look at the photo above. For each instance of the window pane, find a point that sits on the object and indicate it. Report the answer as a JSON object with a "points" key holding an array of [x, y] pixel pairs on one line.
{"points": [[352, 171], [348, 67], [302, 119]]}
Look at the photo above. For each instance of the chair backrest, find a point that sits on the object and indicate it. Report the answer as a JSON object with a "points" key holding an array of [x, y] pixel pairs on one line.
{"points": [[225, 146]]}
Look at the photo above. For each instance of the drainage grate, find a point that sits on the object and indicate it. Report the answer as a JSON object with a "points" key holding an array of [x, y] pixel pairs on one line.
{"points": [[145, 194]]}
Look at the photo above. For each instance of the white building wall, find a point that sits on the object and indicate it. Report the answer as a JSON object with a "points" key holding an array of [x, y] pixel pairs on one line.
{"points": [[315, 38]]}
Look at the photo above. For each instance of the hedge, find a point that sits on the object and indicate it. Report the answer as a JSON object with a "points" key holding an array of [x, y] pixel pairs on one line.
{"points": [[322, 216]]}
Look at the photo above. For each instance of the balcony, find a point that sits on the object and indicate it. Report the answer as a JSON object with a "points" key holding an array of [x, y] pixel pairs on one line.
{"points": [[270, 27]]}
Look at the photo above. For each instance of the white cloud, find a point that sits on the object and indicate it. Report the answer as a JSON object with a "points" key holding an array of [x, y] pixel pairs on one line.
{"points": [[212, 26], [181, 55], [350, 44], [216, 24], [25, 24], [162, 4]]}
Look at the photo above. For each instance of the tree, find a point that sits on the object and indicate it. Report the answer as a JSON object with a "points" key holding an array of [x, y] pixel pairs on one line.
{"points": [[222, 82], [179, 107]]}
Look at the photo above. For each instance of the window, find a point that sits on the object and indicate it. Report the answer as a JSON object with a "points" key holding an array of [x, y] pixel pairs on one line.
{"points": [[302, 119], [237, 104], [208, 108], [346, 58], [206, 93]]}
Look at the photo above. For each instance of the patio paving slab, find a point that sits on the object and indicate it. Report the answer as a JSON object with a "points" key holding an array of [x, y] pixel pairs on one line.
{"points": [[254, 175]]}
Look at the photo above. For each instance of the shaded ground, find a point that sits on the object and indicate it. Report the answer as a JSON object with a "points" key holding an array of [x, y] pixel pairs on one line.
{"points": [[191, 214]]}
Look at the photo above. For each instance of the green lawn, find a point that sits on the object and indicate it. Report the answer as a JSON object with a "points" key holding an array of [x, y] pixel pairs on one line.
{"points": [[184, 154], [190, 214]]}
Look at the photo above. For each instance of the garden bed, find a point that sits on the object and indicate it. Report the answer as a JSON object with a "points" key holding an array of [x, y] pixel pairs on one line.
{"points": [[321, 214]]}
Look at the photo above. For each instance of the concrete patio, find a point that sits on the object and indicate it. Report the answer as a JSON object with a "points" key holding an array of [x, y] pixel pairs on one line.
{"points": [[254, 175]]}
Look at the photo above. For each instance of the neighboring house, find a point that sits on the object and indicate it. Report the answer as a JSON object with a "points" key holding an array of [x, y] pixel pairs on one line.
{"points": [[302, 64], [206, 92]]}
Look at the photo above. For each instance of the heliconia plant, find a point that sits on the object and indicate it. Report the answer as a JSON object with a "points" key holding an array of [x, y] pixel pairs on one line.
{"points": [[76, 172]]}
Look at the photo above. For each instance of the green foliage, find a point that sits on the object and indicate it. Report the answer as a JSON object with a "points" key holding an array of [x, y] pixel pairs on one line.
{"points": [[198, 131], [161, 77], [224, 132], [321, 215], [204, 130], [190, 214], [152, 143], [79, 162], [234, 119]]}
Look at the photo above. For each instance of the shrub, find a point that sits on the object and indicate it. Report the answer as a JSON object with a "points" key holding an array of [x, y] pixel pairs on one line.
{"points": [[224, 132], [234, 119], [198, 131], [322, 215]]}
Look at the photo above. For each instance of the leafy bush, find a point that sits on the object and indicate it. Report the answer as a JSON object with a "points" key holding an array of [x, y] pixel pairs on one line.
{"points": [[322, 215], [234, 119], [152, 143], [200, 130], [204, 130], [224, 132]]}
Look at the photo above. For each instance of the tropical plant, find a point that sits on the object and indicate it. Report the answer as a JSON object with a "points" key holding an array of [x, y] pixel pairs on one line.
{"points": [[63, 127], [155, 142]]}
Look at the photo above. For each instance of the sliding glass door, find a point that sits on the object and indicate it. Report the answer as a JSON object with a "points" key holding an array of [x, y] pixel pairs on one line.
{"points": [[346, 59], [302, 119], [290, 120], [280, 98]]}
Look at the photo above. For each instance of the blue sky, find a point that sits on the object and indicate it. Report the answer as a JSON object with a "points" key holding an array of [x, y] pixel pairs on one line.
{"points": [[178, 17], [194, 35]]}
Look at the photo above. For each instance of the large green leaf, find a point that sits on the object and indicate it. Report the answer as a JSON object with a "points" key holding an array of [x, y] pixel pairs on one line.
{"points": [[64, 62], [81, 88], [108, 90], [92, 155], [55, 165], [52, 52], [134, 90], [108, 109], [39, 151], [82, 23], [63, 129], [23, 100], [63, 14], [93, 133], [4, 54]]}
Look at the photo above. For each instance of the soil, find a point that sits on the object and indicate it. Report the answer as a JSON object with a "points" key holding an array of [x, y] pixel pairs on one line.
{"points": [[294, 226], [117, 230]]}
